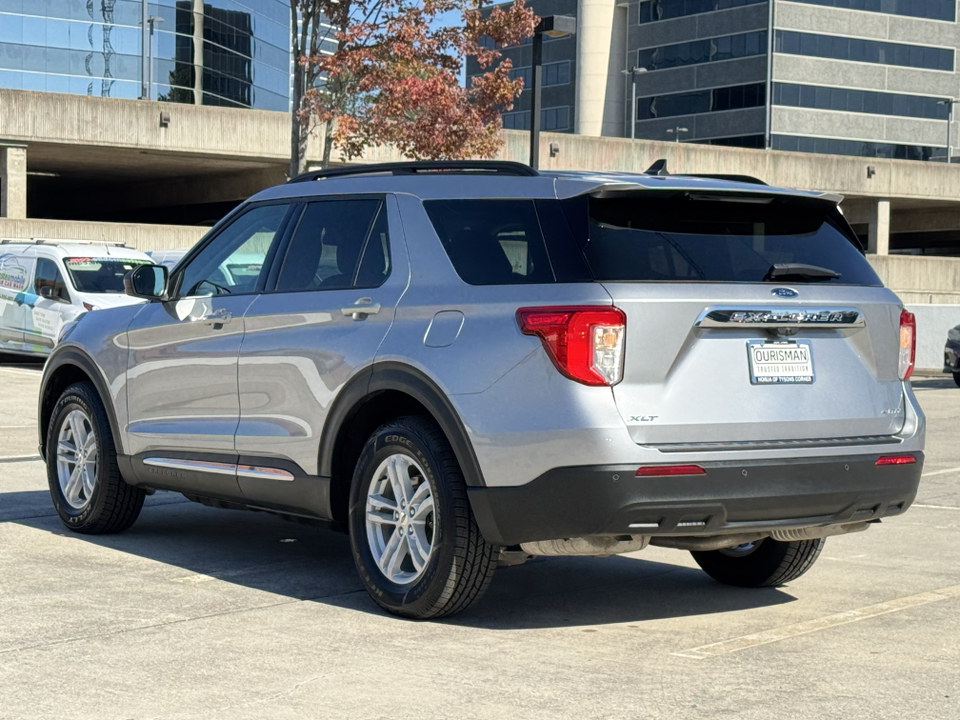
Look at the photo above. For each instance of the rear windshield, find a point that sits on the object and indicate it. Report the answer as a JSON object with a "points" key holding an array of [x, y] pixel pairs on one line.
{"points": [[100, 275], [709, 238]]}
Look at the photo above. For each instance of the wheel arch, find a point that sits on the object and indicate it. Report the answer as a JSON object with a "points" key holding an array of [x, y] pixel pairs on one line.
{"points": [[375, 396], [63, 369]]}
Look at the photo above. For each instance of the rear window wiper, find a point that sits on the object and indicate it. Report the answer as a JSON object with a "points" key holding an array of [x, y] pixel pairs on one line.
{"points": [[800, 271]]}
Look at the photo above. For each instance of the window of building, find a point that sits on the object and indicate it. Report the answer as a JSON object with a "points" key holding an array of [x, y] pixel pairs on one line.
{"points": [[557, 73], [929, 9], [695, 52], [555, 118], [860, 50], [655, 10], [861, 148], [338, 244], [704, 101], [862, 101]]}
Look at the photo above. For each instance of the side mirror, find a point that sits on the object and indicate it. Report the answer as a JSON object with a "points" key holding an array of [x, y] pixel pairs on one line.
{"points": [[148, 282], [46, 292]]}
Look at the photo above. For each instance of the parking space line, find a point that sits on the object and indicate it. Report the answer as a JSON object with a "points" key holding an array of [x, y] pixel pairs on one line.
{"points": [[19, 458], [936, 507], [725, 647], [941, 472]]}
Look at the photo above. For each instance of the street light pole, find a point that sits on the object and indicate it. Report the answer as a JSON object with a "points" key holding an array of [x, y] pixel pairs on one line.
{"points": [[554, 26], [676, 132], [151, 21], [949, 103], [633, 98], [144, 40]]}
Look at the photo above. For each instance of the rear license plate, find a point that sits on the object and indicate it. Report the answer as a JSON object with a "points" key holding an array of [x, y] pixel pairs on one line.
{"points": [[780, 363]]}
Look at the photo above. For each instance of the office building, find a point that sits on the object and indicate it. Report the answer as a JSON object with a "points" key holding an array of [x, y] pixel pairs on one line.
{"points": [[233, 53], [871, 78]]}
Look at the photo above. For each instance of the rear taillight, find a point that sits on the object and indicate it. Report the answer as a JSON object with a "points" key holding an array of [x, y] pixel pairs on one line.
{"points": [[585, 343], [670, 470], [908, 343], [896, 460]]}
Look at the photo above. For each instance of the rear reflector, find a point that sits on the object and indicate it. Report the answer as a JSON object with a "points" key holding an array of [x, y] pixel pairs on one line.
{"points": [[896, 460], [585, 343], [670, 470], [908, 344]]}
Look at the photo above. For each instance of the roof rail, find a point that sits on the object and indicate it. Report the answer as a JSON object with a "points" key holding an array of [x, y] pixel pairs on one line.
{"points": [[723, 176], [60, 241], [485, 167]]}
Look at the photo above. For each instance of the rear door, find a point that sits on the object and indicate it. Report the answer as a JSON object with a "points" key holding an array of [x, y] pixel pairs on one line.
{"points": [[749, 319]]}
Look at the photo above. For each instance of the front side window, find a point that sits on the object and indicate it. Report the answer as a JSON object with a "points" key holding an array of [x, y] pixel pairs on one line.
{"points": [[232, 263], [49, 281], [338, 244]]}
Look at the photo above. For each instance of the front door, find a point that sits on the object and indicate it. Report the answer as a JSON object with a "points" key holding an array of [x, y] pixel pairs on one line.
{"points": [[182, 373], [333, 302], [52, 307]]}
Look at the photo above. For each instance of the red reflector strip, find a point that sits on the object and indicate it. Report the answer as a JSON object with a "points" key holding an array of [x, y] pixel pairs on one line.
{"points": [[670, 470], [896, 460]]}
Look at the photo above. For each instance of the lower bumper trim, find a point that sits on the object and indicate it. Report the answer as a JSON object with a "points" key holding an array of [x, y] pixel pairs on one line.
{"points": [[730, 498]]}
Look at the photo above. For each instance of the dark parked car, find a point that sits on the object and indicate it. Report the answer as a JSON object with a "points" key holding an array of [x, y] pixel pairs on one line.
{"points": [[951, 354]]}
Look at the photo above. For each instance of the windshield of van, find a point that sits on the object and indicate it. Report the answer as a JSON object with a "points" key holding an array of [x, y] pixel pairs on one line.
{"points": [[720, 238], [100, 274]]}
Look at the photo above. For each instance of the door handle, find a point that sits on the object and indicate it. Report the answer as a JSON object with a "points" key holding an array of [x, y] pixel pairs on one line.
{"points": [[361, 309], [218, 317]]}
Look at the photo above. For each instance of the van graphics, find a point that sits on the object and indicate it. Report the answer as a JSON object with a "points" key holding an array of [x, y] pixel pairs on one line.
{"points": [[13, 276]]}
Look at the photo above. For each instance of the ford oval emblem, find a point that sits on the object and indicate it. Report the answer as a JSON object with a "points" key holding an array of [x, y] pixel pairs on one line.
{"points": [[784, 292]]}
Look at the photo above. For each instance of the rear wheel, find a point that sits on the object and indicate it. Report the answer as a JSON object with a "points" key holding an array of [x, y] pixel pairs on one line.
{"points": [[88, 492], [415, 542], [763, 563]]}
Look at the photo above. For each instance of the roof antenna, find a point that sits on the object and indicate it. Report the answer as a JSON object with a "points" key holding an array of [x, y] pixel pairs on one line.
{"points": [[658, 168]]}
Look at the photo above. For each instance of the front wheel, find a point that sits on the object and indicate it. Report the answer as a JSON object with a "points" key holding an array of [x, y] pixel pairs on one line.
{"points": [[415, 542], [88, 492], [764, 563], [956, 378]]}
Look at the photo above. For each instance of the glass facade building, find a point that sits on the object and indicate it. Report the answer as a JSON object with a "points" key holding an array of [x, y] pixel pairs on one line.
{"points": [[233, 53]]}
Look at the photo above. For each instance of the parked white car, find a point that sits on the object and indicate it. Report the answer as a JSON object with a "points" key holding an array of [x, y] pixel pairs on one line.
{"points": [[168, 258], [47, 283]]}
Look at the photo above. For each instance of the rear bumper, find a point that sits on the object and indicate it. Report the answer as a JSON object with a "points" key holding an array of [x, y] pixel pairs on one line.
{"points": [[730, 497]]}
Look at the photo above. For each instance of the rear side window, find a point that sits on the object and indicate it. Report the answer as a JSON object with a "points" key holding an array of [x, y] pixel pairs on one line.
{"points": [[338, 244], [710, 238], [492, 242]]}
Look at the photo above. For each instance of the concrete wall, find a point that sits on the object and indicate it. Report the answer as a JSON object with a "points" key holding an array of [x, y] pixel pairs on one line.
{"points": [[141, 237], [918, 279], [933, 321]]}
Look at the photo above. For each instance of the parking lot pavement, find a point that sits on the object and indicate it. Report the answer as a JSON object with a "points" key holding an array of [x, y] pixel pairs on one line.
{"points": [[203, 613]]}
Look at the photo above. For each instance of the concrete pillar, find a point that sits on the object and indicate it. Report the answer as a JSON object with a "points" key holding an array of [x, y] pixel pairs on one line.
{"points": [[879, 237], [601, 50], [198, 52], [13, 180]]}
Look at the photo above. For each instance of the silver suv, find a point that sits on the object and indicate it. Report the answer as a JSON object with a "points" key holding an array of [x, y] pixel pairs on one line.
{"points": [[465, 362]]}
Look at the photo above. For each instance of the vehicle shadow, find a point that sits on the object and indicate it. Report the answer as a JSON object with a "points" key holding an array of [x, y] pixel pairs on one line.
{"points": [[262, 552], [24, 362], [920, 384]]}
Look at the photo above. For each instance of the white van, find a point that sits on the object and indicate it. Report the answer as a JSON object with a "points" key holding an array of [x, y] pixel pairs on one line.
{"points": [[47, 283]]}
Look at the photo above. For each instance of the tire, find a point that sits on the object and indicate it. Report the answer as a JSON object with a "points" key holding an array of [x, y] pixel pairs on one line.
{"points": [[956, 378], [98, 500], [442, 565], [763, 564]]}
